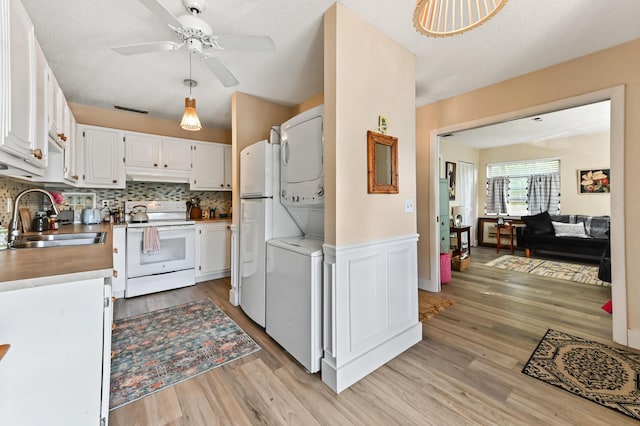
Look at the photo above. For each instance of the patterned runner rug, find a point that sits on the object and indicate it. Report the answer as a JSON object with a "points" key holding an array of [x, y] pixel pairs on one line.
{"points": [[430, 304], [605, 375], [161, 348], [587, 274]]}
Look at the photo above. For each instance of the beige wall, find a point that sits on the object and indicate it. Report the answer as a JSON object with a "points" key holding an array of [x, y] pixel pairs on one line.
{"points": [[252, 119], [313, 101], [366, 75], [577, 152], [85, 114], [612, 67]]}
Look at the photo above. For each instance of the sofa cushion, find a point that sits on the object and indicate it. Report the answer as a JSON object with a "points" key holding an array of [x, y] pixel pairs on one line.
{"points": [[539, 224], [562, 229]]}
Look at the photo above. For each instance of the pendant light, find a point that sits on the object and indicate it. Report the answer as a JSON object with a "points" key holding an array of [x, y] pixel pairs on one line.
{"points": [[441, 18], [190, 120]]}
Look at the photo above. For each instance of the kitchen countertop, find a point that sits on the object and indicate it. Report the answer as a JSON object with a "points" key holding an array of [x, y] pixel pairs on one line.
{"points": [[33, 267]]}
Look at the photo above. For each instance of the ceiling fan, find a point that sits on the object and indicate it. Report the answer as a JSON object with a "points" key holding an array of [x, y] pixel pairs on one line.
{"points": [[197, 35]]}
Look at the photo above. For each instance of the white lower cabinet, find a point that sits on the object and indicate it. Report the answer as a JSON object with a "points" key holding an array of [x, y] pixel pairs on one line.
{"points": [[119, 280], [57, 369], [213, 250]]}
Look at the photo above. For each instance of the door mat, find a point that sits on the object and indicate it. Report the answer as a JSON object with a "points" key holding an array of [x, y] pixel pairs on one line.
{"points": [[586, 274], [430, 304], [165, 347], [603, 374]]}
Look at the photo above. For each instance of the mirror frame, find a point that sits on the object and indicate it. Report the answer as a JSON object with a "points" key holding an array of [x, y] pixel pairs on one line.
{"points": [[375, 187]]}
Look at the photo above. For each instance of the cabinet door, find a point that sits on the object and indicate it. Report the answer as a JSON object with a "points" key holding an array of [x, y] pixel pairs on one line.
{"points": [[443, 193], [213, 242], [228, 178], [176, 154], [119, 261], [142, 150], [208, 166], [19, 137], [53, 372], [71, 145], [103, 154]]}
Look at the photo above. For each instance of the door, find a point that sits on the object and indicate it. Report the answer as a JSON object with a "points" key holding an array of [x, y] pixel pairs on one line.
{"points": [[253, 236], [142, 150], [208, 166], [443, 192], [466, 196], [176, 154], [103, 153], [177, 251], [256, 170]]}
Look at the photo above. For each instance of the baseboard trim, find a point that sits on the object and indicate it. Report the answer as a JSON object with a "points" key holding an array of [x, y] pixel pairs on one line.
{"points": [[339, 379], [214, 276], [633, 338]]}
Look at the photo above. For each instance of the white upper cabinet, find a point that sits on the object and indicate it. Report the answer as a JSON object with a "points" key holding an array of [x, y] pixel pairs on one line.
{"points": [[103, 157], [19, 88], [227, 167], [209, 167], [157, 158]]}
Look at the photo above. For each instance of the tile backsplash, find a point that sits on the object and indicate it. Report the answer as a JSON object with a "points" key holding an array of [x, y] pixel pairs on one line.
{"points": [[135, 191]]}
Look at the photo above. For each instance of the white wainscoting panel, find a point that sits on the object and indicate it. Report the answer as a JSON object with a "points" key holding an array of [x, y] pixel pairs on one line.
{"points": [[370, 307]]}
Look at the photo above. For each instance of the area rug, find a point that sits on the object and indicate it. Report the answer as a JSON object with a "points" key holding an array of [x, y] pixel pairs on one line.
{"points": [[605, 375], [586, 274], [430, 304], [165, 347]]}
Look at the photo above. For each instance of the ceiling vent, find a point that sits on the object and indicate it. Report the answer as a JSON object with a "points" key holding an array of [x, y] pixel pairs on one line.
{"points": [[137, 111]]}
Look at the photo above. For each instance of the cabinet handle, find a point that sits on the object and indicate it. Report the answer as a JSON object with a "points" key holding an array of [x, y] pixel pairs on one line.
{"points": [[3, 350], [155, 164], [75, 177], [37, 153], [115, 181], [115, 273], [222, 184], [62, 136], [113, 326], [113, 354], [113, 299], [166, 166], [115, 250]]}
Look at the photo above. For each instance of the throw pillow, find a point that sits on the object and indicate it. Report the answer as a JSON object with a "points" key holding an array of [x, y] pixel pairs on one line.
{"points": [[539, 224], [570, 229]]}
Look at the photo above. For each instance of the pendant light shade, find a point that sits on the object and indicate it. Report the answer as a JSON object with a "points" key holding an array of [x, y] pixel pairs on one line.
{"points": [[190, 120], [441, 18]]}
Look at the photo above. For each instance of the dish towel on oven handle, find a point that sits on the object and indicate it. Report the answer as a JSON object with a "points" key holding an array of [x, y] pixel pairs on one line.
{"points": [[151, 241]]}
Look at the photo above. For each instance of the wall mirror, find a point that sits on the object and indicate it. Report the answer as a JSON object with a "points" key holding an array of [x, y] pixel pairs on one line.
{"points": [[382, 163]]}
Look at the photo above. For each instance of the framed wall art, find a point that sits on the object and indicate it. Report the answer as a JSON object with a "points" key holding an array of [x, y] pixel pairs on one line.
{"points": [[450, 172], [594, 181]]}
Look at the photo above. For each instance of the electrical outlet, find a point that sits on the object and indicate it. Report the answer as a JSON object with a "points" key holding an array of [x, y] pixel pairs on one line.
{"points": [[105, 203]]}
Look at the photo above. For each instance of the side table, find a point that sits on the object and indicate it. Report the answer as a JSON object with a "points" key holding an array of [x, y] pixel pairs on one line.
{"points": [[509, 227], [458, 231]]}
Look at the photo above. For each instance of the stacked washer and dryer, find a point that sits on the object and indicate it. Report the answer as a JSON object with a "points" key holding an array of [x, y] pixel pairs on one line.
{"points": [[293, 265]]}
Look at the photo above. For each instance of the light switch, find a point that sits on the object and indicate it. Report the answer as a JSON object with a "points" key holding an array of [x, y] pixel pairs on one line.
{"points": [[408, 206]]}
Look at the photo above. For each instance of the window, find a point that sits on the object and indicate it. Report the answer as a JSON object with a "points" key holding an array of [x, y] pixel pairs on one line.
{"points": [[518, 173]]}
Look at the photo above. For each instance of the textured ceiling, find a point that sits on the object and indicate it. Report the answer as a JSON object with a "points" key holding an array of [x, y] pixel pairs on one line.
{"points": [[526, 35]]}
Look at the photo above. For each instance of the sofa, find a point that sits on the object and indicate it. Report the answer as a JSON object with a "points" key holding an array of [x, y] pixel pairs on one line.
{"points": [[574, 235]]}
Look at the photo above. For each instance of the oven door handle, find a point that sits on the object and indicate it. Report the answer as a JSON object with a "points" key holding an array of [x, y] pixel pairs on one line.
{"points": [[164, 228]]}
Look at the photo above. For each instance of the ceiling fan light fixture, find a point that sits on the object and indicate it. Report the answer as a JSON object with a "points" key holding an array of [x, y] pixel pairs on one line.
{"points": [[190, 120], [442, 18]]}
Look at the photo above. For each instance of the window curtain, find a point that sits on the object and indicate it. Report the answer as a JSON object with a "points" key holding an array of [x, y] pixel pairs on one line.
{"points": [[497, 192], [543, 193]]}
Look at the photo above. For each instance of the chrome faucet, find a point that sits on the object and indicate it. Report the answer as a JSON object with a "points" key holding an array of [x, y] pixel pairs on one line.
{"points": [[14, 230]]}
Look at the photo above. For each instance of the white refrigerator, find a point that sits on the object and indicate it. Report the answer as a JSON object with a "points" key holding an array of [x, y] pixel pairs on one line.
{"points": [[262, 217]]}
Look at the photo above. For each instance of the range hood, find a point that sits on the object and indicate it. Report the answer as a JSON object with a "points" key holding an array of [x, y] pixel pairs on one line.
{"points": [[143, 174]]}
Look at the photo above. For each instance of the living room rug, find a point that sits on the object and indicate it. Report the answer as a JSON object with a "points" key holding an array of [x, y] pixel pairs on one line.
{"points": [[600, 373], [587, 274], [430, 304], [165, 347]]}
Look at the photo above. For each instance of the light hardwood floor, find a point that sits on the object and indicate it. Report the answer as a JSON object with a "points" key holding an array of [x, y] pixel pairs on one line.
{"points": [[466, 370]]}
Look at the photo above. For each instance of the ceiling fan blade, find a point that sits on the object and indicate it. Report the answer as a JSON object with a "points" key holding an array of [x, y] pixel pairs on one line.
{"points": [[161, 12], [156, 46], [245, 42], [221, 72]]}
